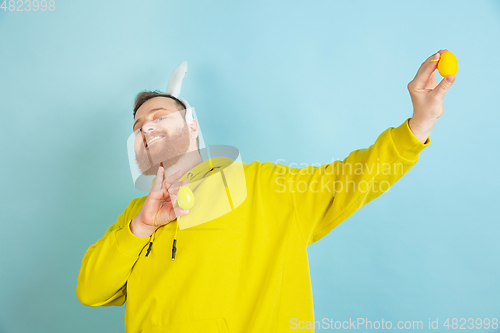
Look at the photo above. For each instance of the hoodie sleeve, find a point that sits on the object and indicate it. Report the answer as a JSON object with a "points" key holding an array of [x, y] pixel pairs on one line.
{"points": [[107, 265], [325, 196]]}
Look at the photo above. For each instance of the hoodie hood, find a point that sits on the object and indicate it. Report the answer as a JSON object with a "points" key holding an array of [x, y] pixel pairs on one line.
{"points": [[218, 185]]}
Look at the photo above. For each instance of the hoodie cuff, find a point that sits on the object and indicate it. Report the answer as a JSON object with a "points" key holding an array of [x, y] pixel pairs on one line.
{"points": [[407, 144], [128, 243]]}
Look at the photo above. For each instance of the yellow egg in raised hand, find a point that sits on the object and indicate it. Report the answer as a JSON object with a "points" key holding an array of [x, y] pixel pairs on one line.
{"points": [[185, 197], [447, 64]]}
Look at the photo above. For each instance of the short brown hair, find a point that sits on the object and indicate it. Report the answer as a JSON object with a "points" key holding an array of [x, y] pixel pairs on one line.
{"points": [[143, 96]]}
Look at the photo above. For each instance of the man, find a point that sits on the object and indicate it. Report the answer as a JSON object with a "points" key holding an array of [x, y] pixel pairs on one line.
{"points": [[246, 270]]}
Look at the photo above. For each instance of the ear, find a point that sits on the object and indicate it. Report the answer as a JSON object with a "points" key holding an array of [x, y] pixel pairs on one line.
{"points": [[193, 129]]}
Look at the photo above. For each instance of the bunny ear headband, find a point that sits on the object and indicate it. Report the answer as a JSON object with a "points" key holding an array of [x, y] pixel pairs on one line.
{"points": [[143, 182], [174, 87]]}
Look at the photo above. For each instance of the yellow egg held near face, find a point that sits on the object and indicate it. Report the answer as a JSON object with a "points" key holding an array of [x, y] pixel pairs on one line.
{"points": [[185, 197], [447, 64]]}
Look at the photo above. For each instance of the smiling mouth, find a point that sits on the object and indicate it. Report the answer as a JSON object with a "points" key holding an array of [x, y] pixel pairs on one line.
{"points": [[154, 139]]}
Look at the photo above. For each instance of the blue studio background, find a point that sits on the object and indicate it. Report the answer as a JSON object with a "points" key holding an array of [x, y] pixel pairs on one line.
{"points": [[288, 82]]}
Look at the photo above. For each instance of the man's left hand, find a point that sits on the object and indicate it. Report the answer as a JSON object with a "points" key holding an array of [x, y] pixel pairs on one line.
{"points": [[427, 97]]}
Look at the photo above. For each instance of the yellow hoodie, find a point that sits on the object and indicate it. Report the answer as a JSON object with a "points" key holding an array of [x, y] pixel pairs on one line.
{"points": [[247, 270]]}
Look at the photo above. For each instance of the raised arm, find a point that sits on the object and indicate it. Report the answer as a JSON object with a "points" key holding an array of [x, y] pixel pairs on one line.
{"points": [[325, 196]]}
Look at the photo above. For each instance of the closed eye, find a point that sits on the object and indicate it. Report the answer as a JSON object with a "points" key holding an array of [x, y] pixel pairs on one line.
{"points": [[159, 119], [137, 131]]}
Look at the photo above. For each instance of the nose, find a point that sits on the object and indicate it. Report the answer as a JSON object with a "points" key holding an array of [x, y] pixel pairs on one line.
{"points": [[148, 127]]}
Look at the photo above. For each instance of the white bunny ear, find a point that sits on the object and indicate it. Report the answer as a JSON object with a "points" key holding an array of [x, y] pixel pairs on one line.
{"points": [[174, 87], [175, 80]]}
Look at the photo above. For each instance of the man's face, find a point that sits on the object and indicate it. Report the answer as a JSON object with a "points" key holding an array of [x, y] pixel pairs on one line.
{"points": [[165, 136]]}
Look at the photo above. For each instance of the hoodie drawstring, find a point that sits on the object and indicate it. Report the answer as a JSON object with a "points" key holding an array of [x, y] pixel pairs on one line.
{"points": [[174, 249], [152, 239], [151, 243]]}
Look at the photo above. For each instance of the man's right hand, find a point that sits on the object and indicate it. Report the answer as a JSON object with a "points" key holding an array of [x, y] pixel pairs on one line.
{"points": [[158, 209]]}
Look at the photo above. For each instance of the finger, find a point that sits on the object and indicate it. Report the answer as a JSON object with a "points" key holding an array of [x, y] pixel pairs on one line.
{"points": [[158, 181], [165, 186], [173, 189], [175, 186], [424, 64], [432, 82], [172, 178], [422, 78], [174, 192], [162, 176], [173, 199], [443, 87], [428, 60], [440, 52], [178, 211], [166, 194]]}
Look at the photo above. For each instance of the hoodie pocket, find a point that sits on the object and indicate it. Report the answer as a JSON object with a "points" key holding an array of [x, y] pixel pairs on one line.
{"points": [[214, 325]]}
